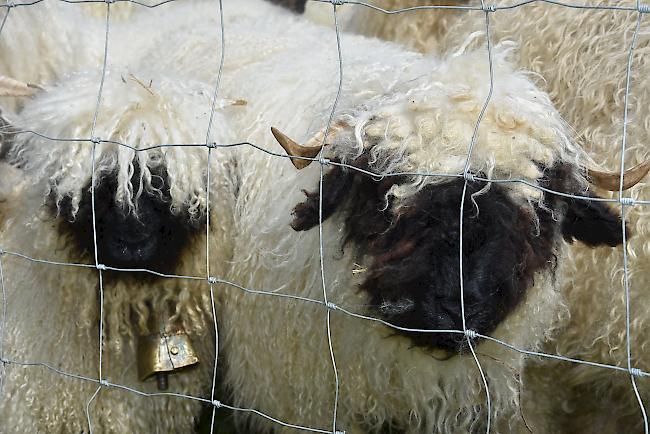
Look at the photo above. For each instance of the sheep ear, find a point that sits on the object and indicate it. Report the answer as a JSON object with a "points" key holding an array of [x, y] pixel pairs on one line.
{"points": [[337, 183], [592, 223]]}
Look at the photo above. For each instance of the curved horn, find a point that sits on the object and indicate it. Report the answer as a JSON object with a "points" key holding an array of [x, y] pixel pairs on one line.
{"points": [[11, 87], [293, 149], [612, 180], [308, 150]]}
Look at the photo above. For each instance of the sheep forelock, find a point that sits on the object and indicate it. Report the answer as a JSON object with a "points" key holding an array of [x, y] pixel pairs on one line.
{"points": [[133, 113], [427, 124]]}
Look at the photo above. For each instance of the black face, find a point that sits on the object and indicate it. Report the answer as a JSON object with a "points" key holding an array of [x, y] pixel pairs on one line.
{"points": [[413, 276], [151, 237]]}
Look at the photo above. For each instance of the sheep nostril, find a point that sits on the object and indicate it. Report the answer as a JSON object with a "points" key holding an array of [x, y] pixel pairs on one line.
{"points": [[131, 252], [130, 241]]}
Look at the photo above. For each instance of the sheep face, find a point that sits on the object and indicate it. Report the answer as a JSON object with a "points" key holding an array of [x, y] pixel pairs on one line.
{"points": [[149, 236], [411, 246]]}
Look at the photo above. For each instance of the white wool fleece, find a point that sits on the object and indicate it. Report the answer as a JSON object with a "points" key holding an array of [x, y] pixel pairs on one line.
{"points": [[580, 58], [418, 113]]}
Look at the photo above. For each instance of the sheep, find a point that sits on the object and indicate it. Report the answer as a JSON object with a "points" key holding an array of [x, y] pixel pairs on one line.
{"points": [[390, 243], [580, 58]]}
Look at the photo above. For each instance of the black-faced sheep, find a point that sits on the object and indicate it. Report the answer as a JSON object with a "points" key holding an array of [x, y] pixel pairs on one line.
{"points": [[391, 244], [580, 57]]}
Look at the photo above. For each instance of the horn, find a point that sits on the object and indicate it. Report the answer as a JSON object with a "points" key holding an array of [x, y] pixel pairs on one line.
{"points": [[293, 149], [309, 149], [11, 87], [612, 180]]}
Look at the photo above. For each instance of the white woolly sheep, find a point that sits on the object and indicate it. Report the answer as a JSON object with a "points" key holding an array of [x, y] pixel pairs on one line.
{"points": [[391, 244], [581, 57]]}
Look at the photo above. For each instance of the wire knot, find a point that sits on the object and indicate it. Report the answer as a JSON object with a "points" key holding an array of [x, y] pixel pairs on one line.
{"points": [[337, 3], [104, 383], [4, 361], [324, 161], [110, 1], [2, 252], [339, 432], [211, 145], [471, 334], [627, 201], [95, 140], [10, 4], [489, 8], [100, 267], [635, 372], [331, 305], [217, 403], [644, 9], [469, 177], [212, 280]]}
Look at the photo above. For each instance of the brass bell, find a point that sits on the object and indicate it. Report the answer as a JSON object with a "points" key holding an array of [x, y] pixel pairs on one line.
{"points": [[165, 352]]}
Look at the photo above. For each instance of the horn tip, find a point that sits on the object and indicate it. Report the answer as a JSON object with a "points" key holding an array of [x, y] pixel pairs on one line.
{"points": [[282, 139]]}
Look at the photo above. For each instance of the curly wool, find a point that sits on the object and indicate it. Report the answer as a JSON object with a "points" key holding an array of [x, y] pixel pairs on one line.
{"points": [[417, 112], [41, 55], [580, 58]]}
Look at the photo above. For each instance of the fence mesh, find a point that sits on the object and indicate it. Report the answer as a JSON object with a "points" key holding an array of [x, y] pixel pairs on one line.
{"points": [[331, 308]]}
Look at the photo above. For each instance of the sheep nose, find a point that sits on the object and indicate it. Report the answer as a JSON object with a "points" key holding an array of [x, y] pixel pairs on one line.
{"points": [[128, 240], [145, 238], [149, 234], [131, 241]]}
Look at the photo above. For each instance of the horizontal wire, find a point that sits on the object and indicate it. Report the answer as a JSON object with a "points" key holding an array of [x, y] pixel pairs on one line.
{"points": [[527, 182]]}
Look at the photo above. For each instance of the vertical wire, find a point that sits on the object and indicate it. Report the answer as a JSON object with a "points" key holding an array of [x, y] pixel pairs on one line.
{"points": [[2, 325], [467, 176], [626, 281], [207, 224], [4, 20], [93, 184], [462, 306], [2, 284], [320, 225]]}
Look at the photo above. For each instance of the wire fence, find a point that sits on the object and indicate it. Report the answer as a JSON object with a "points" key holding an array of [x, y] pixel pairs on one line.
{"points": [[325, 303]]}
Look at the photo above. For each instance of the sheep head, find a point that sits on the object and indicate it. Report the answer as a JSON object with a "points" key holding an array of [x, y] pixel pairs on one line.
{"points": [[147, 206], [410, 242]]}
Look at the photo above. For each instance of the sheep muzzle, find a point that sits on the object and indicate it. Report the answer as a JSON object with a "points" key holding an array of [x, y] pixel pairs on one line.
{"points": [[148, 236]]}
